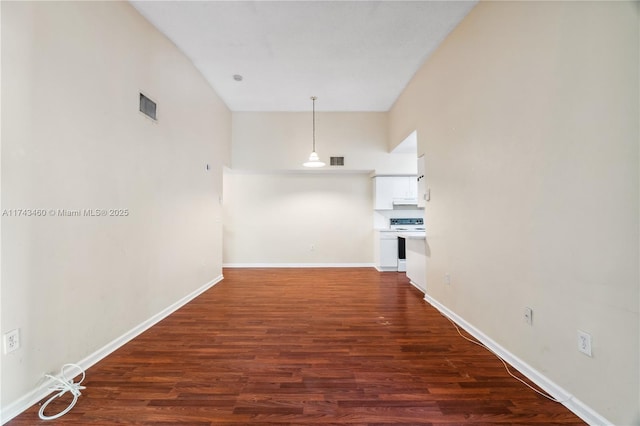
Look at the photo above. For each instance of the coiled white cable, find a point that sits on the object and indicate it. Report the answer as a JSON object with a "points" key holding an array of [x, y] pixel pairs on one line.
{"points": [[63, 385]]}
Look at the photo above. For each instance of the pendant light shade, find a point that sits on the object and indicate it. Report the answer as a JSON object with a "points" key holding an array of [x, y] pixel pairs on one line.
{"points": [[314, 160]]}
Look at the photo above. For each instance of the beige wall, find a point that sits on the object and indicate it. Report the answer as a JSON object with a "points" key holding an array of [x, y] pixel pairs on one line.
{"points": [[298, 219], [72, 138], [277, 141], [275, 208], [528, 117]]}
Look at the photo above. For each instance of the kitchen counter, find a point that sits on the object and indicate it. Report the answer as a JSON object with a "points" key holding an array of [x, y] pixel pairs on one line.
{"points": [[413, 235], [386, 246]]}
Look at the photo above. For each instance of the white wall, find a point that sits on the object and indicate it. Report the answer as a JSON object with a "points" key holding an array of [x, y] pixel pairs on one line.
{"points": [[72, 138], [528, 117], [302, 219]]}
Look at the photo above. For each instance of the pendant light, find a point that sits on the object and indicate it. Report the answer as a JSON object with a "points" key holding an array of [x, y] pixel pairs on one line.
{"points": [[314, 160]]}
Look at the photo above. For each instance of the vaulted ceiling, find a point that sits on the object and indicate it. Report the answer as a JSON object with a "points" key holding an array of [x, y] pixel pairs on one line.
{"points": [[352, 55]]}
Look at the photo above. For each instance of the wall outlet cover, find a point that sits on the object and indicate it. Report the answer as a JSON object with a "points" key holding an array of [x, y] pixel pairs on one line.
{"points": [[584, 343], [11, 341]]}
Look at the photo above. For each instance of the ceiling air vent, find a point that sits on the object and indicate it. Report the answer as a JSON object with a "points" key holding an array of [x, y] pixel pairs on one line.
{"points": [[147, 107], [337, 161]]}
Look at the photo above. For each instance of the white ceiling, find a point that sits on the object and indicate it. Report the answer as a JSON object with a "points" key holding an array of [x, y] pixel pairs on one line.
{"points": [[352, 55]]}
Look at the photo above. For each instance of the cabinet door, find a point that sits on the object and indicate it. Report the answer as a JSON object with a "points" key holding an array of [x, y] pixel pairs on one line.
{"points": [[390, 188], [383, 193], [412, 188], [389, 253], [405, 188], [422, 185]]}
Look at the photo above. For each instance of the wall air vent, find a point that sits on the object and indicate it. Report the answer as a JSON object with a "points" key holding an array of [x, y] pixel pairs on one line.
{"points": [[337, 161], [147, 107]]}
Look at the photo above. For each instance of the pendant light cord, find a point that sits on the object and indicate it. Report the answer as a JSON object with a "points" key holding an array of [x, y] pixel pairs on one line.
{"points": [[313, 98], [314, 160]]}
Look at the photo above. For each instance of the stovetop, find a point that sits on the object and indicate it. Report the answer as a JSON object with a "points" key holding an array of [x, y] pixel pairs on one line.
{"points": [[406, 224]]}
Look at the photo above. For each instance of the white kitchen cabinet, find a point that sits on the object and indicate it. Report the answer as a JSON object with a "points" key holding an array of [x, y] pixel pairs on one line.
{"points": [[394, 189], [405, 188], [383, 188], [422, 184], [386, 251]]}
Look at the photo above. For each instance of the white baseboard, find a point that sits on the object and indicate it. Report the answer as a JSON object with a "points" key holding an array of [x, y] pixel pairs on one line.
{"points": [[579, 408], [417, 286], [386, 268], [26, 401], [298, 265]]}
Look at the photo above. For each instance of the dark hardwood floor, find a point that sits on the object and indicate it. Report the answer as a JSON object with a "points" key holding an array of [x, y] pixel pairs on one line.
{"points": [[298, 346]]}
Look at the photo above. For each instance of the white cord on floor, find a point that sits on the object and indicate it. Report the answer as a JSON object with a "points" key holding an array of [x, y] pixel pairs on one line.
{"points": [[63, 385], [506, 366]]}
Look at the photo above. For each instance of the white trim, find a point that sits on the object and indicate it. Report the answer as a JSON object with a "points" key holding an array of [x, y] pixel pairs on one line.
{"points": [[578, 407], [42, 390], [418, 287], [298, 265], [386, 268]]}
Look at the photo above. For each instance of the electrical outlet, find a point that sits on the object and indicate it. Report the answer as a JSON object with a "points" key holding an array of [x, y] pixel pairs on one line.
{"points": [[528, 315], [11, 341], [447, 279], [584, 343]]}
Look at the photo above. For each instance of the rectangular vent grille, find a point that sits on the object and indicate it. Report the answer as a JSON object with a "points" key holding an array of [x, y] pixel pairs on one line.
{"points": [[337, 161], [147, 107]]}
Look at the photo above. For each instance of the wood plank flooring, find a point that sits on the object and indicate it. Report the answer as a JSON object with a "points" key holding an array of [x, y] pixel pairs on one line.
{"points": [[301, 346]]}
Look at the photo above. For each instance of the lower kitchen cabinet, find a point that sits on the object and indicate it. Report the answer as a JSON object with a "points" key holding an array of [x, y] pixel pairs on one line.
{"points": [[386, 251]]}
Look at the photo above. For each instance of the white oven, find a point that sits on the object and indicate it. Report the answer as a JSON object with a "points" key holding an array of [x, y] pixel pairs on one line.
{"points": [[402, 225]]}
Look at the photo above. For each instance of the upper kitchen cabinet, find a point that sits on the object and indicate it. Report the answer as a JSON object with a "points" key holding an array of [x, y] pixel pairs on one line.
{"points": [[422, 184], [390, 191]]}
